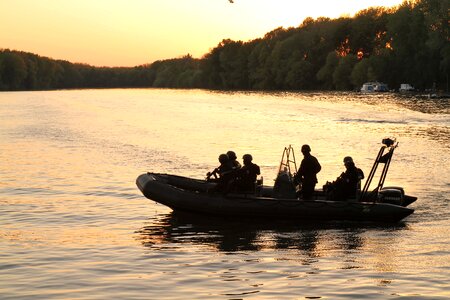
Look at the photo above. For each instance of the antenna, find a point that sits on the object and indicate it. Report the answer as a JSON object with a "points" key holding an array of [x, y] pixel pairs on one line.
{"points": [[382, 158]]}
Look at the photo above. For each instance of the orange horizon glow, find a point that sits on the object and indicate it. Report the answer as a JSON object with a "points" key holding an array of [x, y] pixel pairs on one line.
{"points": [[124, 33]]}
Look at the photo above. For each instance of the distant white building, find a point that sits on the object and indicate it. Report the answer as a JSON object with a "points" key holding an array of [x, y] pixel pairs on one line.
{"points": [[406, 87], [374, 87]]}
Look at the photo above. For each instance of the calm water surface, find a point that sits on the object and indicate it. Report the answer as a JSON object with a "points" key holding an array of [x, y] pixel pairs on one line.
{"points": [[73, 225]]}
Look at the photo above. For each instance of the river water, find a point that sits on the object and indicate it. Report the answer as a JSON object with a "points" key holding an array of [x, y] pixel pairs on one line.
{"points": [[73, 224]]}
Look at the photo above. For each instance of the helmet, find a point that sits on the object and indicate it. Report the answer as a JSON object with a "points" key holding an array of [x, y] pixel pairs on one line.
{"points": [[306, 148], [348, 159], [231, 155], [223, 158], [247, 157]]}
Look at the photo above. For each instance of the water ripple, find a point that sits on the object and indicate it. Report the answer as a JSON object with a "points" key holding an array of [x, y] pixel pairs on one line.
{"points": [[74, 225]]}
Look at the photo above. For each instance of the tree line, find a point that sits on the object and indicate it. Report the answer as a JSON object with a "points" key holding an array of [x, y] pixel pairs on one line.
{"points": [[405, 44]]}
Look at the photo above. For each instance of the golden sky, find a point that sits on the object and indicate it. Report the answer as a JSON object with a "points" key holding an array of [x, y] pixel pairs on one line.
{"points": [[135, 32]]}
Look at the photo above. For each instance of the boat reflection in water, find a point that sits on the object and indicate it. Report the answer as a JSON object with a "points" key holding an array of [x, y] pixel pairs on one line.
{"points": [[229, 235]]}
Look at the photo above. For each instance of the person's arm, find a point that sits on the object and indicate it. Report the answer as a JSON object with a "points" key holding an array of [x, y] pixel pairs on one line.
{"points": [[318, 166], [213, 173], [360, 174]]}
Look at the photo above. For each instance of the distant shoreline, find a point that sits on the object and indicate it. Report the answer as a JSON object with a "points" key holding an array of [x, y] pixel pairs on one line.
{"points": [[341, 54]]}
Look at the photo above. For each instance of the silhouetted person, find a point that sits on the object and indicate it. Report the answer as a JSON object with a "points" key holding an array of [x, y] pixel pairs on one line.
{"points": [[233, 159], [346, 185], [307, 173], [223, 174], [247, 174]]}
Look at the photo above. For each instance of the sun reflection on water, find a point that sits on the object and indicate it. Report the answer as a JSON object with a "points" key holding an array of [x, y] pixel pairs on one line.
{"points": [[73, 224]]}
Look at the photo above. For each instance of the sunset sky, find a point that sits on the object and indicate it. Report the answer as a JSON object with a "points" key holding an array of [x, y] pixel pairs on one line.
{"points": [[135, 32]]}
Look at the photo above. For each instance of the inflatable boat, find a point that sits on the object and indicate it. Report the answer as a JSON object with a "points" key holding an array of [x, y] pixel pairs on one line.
{"points": [[184, 194]]}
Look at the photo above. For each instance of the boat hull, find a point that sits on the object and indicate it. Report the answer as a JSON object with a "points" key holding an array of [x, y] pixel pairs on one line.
{"points": [[190, 195]]}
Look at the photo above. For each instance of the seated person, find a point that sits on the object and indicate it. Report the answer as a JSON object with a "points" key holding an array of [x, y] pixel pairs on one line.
{"points": [[223, 174], [233, 159], [346, 185], [246, 176]]}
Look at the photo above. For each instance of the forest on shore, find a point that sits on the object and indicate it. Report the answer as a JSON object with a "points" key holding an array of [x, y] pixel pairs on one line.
{"points": [[406, 44]]}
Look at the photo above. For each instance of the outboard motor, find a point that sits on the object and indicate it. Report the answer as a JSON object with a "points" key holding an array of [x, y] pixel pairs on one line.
{"points": [[392, 195]]}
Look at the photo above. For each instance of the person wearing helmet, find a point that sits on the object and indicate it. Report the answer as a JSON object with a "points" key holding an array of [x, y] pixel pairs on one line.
{"points": [[233, 159], [246, 177], [307, 173], [224, 168], [346, 185], [223, 174]]}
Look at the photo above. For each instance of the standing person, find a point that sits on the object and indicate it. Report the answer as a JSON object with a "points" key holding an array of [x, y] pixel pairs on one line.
{"points": [[307, 173], [247, 174], [233, 159]]}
